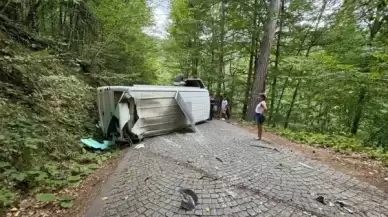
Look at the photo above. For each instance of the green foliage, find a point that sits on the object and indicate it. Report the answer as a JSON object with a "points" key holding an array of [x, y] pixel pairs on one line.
{"points": [[65, 201], [338, 143], [65, 198], [45, 111], [327, 78], [66, 204], [7, 197], [46, 197]]}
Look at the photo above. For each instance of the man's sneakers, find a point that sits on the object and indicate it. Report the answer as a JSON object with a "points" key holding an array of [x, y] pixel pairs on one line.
{"points": [[258, 138]]}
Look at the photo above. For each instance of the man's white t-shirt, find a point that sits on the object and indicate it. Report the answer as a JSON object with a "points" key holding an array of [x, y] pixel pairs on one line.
{"points": [[224, 103], [260, 108]]}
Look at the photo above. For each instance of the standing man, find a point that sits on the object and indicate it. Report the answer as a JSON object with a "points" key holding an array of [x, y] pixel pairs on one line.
{"points": [[212, 102], [260, 110], [228, 108], [224, 107]]}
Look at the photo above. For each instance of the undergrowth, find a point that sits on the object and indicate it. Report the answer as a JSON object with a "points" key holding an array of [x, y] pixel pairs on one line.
{"points": [[46, 107], [338, 143]]}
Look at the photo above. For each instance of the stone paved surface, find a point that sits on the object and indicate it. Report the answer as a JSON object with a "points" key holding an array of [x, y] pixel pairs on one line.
{"points": [[250, 181]]}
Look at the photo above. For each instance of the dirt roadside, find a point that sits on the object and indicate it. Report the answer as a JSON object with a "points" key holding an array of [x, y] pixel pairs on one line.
{"points": [[356, 165], [85, 194]]}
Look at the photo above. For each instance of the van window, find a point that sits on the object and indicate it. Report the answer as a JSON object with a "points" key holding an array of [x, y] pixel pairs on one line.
{"points": [[194, 83]]}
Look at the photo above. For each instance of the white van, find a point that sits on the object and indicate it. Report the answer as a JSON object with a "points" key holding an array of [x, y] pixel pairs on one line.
{"points": [[135, 112]]}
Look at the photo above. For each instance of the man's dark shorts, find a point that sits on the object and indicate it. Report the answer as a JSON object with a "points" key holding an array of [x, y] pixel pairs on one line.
{"points": [[260, 118]]}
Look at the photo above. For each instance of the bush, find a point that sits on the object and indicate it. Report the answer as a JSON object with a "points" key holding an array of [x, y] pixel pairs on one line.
{"points": [[338, 143]]}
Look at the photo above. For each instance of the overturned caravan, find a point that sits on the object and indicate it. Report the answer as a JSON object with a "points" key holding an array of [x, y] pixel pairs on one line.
{"points": [[135, 112]]}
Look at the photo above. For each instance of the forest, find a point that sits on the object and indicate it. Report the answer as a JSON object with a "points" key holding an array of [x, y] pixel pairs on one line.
{"points": [[323, 65]]}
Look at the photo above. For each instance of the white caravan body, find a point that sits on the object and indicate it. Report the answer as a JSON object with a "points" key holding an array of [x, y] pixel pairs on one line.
{"points": [[149, 110]]}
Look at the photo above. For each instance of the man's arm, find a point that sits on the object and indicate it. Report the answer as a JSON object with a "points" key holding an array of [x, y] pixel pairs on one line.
{"points": [[264, 105]]}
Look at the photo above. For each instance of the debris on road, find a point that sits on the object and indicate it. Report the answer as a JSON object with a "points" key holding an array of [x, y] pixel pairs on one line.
{"points": [[344, 205], [321, 199], [104, 198], [260, 146], [231, 193], [219, 159], [305, 165], [341, 203], [349, 210], [209, 177], [139, 146], [190, 199], [145, 180]]}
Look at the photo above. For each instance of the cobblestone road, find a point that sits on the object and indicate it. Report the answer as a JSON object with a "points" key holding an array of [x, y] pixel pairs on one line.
{"points": [[231, 178]]}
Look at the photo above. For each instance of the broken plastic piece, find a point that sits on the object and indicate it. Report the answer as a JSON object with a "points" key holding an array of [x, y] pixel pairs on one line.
{"points": [[139, 146], [305, 165], [91, 143]]}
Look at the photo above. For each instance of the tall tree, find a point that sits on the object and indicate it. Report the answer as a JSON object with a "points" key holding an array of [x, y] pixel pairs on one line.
{"points": [[262, 62]]}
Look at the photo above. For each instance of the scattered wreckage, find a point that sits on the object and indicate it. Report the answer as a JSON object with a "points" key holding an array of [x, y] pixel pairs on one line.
{"points": [[130, 113]]}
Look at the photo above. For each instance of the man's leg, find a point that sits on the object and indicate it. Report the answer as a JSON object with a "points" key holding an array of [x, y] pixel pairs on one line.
{"points": [[211, 112]]}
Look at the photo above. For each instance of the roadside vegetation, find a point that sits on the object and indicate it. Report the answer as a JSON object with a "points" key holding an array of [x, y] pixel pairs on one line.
{"points": [[53, 55]]}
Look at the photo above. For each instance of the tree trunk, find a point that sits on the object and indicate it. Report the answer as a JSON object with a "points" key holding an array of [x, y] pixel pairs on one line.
{"points": [[292, 104], [221, 54], [273, 85], [32, 17], [251, 58], [359, 111], [213, 68], [231, 100], [374, 29], [279, 101], [60, 19], [262, 64]]}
